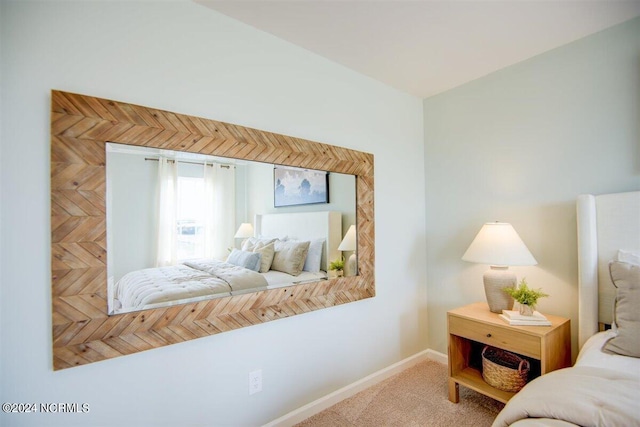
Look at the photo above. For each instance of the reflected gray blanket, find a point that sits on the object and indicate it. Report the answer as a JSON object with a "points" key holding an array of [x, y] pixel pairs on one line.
{"points": [[238, 278], [582, 395]]}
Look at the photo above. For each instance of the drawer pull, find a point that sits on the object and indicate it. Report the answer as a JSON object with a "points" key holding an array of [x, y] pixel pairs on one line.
{"points": [[488, 335]]}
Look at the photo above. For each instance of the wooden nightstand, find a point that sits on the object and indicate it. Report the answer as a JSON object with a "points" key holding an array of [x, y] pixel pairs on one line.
{"points": [[547, 347]]}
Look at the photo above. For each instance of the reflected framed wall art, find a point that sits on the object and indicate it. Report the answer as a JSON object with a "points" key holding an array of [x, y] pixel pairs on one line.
{"points": [[294, 186]]}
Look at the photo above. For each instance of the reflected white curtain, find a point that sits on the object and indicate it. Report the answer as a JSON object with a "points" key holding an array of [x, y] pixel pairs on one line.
{"points": [[219, 210], [167, 212]]}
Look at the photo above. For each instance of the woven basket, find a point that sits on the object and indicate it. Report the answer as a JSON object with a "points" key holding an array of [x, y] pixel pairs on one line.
{"points": [[503, 370]]}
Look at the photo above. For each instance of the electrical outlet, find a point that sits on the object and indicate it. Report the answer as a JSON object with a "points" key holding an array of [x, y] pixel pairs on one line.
{"points": [[255, 381]]}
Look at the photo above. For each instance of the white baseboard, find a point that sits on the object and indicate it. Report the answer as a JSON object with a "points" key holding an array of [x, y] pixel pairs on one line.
{"points": [[436, 356], [310, 409]]}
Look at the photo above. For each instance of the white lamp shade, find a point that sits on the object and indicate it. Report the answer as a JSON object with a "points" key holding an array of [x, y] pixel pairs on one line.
{"points": [[349, 243], [497, 243], [245, 230]]}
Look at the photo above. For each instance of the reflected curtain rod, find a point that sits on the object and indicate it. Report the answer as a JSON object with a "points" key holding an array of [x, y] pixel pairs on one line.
{"points": [[191, 163]]}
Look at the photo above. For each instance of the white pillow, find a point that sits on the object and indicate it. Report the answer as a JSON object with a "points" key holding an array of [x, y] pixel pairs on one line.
{"points": [[290, 256], [250, 260], [628, 257]]}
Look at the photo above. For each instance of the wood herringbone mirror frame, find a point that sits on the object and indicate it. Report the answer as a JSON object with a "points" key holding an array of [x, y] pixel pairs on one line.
{"points": [[82, 331]]}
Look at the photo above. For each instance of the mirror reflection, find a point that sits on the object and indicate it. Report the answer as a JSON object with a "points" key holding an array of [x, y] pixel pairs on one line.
{"points": [[184, 227]]}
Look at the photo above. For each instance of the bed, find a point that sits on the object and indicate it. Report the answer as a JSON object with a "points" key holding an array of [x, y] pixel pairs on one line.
{"points": [[602, 388], [287, 249]]}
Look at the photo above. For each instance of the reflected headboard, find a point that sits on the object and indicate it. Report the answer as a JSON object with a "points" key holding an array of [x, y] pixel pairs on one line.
{"points": [[305, 226], [606, 223]]}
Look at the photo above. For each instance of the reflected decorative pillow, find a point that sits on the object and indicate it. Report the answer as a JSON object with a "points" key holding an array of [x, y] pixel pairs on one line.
{"points": [[626, 278], [267, 251], [314, 256], [250, 260], [290, 256], [252, 242]]}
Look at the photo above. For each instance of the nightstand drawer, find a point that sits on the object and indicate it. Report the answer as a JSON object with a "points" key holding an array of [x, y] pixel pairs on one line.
{"points": [[512, 340]]}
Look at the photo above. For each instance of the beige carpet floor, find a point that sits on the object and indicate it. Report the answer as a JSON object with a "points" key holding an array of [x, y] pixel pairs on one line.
{"points": [[417, 396]]}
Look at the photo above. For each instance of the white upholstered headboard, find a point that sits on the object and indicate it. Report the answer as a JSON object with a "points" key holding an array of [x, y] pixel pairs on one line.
{"points": [[305, 226], [606, 224]]}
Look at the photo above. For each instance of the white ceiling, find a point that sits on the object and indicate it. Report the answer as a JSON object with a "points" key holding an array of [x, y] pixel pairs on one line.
{"points": [[424, 47]]}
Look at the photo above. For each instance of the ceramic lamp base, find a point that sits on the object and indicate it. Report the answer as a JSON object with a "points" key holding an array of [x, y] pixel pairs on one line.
{"points": [[351, 269], [495, 280]]}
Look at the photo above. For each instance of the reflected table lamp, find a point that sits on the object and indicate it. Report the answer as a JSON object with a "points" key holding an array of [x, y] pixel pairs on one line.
{"points": [[349, 243], [498, 245], [244, 231]]}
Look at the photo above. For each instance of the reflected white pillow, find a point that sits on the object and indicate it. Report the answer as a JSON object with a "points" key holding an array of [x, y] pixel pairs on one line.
{"points": [[250, 260]]}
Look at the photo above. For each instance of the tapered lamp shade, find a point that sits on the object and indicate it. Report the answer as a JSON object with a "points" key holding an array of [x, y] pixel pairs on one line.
{"points": [[244, 231], [350, 243], [498, 245]]}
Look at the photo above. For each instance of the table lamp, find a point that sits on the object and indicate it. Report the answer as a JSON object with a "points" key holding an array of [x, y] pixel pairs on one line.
{"points": [[244, 231], [498, 245], [349, 243]]}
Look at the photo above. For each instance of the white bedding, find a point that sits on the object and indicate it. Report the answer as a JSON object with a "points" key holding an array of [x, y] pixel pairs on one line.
{"points": [[600, 390], [590, 355], [189, 282], [278, 279], [195, 281], [583, 396]]}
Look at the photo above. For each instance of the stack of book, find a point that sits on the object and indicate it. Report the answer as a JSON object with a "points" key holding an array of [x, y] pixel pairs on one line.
{"points": [[514, 318]]}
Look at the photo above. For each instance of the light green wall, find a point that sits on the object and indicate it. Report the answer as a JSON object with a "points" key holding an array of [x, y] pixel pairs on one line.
{"points": [[132, 200], [518, 146], [342, 195], [183, 57]]}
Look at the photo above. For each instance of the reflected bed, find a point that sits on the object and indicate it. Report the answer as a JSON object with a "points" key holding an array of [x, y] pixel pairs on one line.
{"points": [[313, 237]]}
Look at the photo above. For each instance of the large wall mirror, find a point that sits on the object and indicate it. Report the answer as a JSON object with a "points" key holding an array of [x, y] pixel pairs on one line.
{"points": [[177, 224], [162, 226]]}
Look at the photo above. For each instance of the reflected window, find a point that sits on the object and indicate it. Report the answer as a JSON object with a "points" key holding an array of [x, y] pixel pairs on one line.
{"points": [[190, 218]]}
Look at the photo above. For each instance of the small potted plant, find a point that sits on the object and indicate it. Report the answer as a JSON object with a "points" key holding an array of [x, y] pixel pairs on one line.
{"points": [[527, 297], [338, 266]]}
